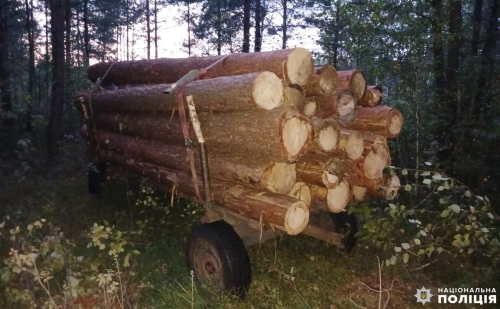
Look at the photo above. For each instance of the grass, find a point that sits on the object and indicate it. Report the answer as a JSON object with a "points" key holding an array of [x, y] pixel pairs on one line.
{"points": [[288, 272]]}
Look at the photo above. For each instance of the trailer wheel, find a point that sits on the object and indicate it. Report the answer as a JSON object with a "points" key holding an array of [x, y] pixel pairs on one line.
{"points": [[219, 258], [346, 224], [96, 177]]}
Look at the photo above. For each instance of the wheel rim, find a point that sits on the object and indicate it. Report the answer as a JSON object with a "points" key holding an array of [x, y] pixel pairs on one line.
{"points": [[207, 266]]}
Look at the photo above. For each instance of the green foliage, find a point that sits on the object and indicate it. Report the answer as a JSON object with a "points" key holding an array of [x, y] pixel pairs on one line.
{"points": [[433, 215]]}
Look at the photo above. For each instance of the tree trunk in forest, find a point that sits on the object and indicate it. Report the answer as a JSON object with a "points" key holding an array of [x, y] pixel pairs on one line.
{"points": [[246, 26], [189, 27], [258, 26], [352, 80], [295, 66], [86, 35], [127, 22], [5, 92], [31, 62], [323, 82], [221, 94], [156, 29], [477, 18], [382, 120], [218, 27], [372, 97], [148, 30], [57, 93], [453, 62], [284, 25], [281, 134]]}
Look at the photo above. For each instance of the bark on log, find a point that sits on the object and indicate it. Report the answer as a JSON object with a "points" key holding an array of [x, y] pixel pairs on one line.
{"points": [[335, 200], [222, 94], [293, 96], [326, 134], [372, 97], [256, 172], [354, 81], [301, 191], [281, 211], [281, 134], [323, 82], [382, 120], [293, 65], [320, 169], [341, 105]]}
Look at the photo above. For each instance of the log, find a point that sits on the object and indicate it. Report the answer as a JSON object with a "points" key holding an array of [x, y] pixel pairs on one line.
{"points": [[341, 105], [372, 97], [293, 65], [335, 200], [281, 211], [281, 134], [260, 173], [354, 81], [382, 120], [350, 145], [358, 193], [375, 156], [293, 95], [301, 191], [387, 188], [322, 82], [222, 94], [320, 169], [326, 134]]}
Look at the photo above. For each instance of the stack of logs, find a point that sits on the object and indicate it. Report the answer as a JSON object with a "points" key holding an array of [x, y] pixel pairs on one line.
{"points": [[284, 138]]}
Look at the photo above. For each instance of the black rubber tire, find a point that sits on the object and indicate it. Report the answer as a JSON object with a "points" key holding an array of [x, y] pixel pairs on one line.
{"points": [[96, 177], [219, 258]]}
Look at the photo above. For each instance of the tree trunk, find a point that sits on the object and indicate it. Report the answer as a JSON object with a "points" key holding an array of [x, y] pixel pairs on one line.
{"points": [[31, 62], [352, 80], [86, 35], [293, 65], [258, 26], [372, 97], [284, 25], [341, 105], [323, 82], [5, 92], [57, 92], [246, 26], [476, 27], [221, 94], [281, 134], [381, 120], [148, 30], [156, 30]]}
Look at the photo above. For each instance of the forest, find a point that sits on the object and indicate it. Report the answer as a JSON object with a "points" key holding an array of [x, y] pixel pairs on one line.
{"points": [[436, 61]]}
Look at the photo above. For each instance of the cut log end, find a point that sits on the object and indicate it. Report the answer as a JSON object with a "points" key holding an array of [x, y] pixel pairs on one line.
{"points": [[296, 218], [328, 138], [338, 197], [279, 177], [355, 145], [293, 96], [267, 90], [299, 66], [394, 123], [346, 107], [329, 79], [392, 185], [358, 85], [310, 108], [301, 191], [359, 193], [295, 135], [375, 162]]}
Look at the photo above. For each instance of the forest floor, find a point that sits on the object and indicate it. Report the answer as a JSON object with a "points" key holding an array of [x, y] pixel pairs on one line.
{"points": [[287, 272]]}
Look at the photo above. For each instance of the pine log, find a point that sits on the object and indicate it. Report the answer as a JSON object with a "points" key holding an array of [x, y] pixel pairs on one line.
{"points": [[222, 94], [293, 95], [301, 191], [354, 81], [326, 134], [359, 193], [281, 134], [320, 169], [335, 200], [382, 120], [350, 145], [372, 97], [293, 65], [254, 171], [281, 211], [322, 82], [386, 188], [341, 105], [375, 156]]}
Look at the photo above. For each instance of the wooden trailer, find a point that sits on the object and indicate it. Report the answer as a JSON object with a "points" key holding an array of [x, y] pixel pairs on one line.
{"points": [[267, 143]]}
